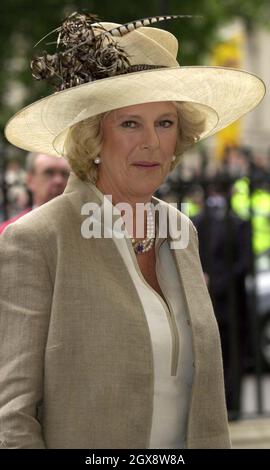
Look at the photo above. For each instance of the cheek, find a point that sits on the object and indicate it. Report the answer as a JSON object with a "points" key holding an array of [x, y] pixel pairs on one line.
{"points": [[169, 145], [37, 183], [174, 139], [120, 147], [128, 142]]}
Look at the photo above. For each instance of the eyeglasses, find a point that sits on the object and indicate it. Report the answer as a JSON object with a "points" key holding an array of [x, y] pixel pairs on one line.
{"points": [[51, 172]]}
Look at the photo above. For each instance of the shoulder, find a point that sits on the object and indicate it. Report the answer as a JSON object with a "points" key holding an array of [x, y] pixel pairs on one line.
{"points": [[46, 217], [5, 224], [37, 232], [60, 214]]}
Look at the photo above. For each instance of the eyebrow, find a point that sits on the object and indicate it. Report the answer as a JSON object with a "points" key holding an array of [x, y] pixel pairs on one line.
{"points": [[137, 116]]}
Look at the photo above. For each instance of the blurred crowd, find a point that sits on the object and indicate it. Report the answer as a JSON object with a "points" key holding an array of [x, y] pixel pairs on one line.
{"points": [[230, 208]]}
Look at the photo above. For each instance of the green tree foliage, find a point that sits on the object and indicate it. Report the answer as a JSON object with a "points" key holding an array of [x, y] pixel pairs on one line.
{"points": [[24, 22]]}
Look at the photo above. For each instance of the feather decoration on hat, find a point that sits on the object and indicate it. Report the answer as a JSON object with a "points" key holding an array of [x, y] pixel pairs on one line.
{"points": [[88, 53]]}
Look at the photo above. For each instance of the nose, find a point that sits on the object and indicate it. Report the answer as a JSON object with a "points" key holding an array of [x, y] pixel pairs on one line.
{"points": [[150, 138]]}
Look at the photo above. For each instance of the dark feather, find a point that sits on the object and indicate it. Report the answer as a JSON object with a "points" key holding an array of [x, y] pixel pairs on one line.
{"points": [[83, 56]]}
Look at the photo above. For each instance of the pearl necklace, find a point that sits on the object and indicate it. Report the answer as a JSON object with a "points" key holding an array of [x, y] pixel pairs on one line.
{"points": [[142, 246]]}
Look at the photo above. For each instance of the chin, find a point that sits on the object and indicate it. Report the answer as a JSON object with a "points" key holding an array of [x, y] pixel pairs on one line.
{"points": [[147, 187]]}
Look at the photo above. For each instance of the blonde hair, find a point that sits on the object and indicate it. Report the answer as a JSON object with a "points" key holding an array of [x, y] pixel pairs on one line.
{"points": [[84, 140]]}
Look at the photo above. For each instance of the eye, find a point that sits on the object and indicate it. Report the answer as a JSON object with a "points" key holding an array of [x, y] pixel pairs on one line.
{"points": [[129, 124], [166, 123], [49, 172]]}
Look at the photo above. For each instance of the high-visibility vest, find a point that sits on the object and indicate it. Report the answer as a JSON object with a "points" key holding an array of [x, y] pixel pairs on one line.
{"points": [[256, 208], [191, 209]]}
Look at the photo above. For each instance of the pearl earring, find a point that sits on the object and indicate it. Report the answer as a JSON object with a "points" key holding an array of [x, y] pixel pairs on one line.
{"points": [[173, 158], [97, 160]]}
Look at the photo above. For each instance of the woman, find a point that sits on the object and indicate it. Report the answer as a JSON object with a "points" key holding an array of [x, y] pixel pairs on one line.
{"points": [[108, 337]]}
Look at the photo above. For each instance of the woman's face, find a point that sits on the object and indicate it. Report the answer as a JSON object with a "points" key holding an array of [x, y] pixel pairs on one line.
{"points": [[138, 144]]}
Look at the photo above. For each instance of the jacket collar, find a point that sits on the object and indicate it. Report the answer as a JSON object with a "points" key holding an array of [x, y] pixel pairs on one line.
{"points": [[90, 193]]}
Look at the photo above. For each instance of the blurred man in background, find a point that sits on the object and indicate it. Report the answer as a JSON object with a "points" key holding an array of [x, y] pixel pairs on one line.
{"points": [[225, 252], [46, 178]]}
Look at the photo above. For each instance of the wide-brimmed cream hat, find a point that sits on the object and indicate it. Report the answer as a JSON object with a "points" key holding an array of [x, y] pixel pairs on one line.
{"points": [[218, 95]]}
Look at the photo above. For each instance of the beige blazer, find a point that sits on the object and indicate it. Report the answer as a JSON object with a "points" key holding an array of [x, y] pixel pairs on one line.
{"points": [[76, 364]]}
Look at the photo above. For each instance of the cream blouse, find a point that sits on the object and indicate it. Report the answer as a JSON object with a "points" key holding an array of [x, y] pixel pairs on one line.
{"points": [[171, 343]]}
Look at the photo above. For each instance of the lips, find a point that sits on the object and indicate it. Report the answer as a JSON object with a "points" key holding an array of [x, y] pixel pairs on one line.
{"points": [[146, 164]]}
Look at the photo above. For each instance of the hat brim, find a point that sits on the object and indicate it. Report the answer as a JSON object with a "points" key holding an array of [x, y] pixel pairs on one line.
{"points": [[220, 95]]}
